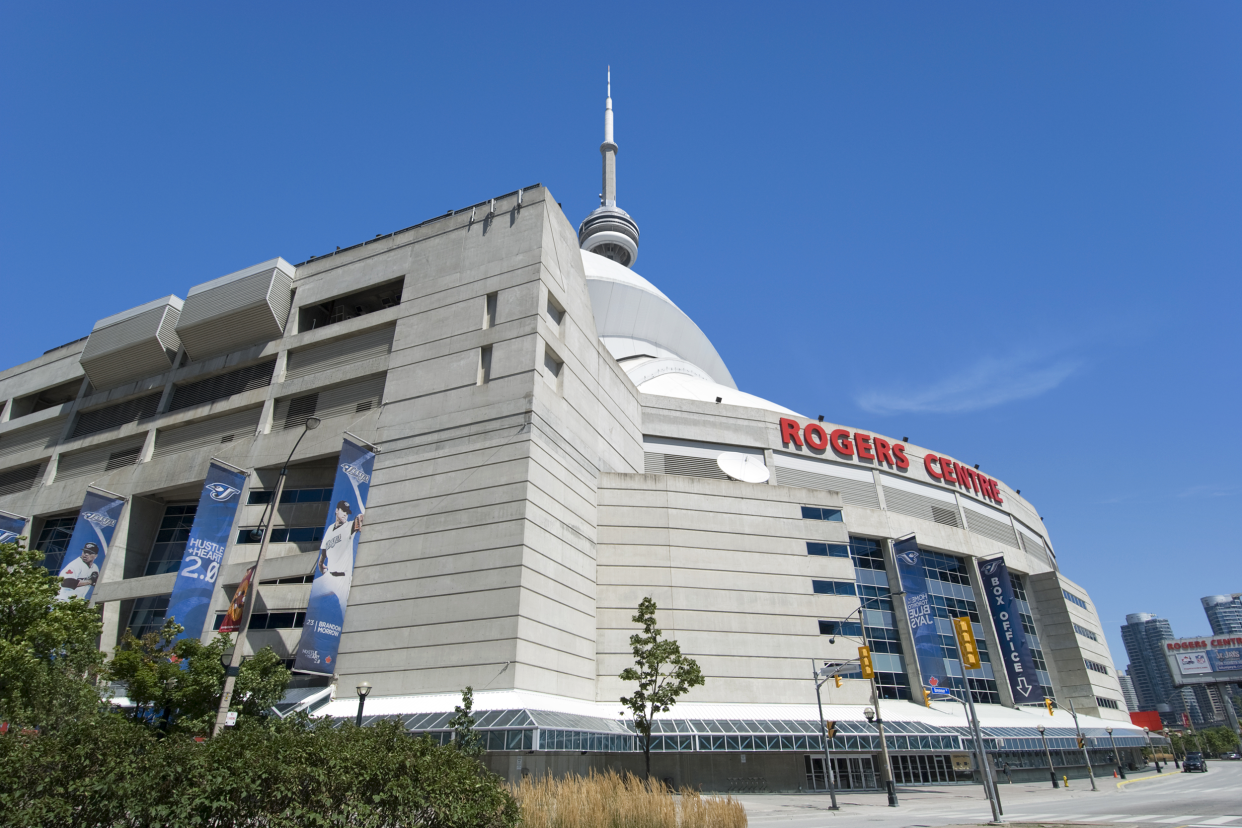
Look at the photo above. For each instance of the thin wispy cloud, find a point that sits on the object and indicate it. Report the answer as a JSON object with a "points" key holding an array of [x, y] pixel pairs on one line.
{"points": [[989, 382], [1211, 490]]}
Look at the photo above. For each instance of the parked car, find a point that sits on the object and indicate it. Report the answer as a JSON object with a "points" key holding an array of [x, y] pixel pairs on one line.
{"points": [[1194, 762], [1233, 756]]}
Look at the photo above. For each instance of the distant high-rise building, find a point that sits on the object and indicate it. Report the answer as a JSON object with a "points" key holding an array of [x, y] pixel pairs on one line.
{"points": [[1143, 635], [1224, 613], [1127, 690]]}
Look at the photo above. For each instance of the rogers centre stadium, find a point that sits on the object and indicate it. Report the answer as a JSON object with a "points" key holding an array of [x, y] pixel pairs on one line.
{"points": [[522, 438]]}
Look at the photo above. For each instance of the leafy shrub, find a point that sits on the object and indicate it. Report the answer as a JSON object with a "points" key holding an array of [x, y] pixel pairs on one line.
{"points": [[107, 771]]}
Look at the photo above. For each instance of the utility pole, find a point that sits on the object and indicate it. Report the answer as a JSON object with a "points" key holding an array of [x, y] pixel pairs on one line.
{"points": [[968, 651], [1082, 743]]}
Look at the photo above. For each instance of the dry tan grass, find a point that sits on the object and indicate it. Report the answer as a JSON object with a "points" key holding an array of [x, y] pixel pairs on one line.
{"points": [[610, 800]]}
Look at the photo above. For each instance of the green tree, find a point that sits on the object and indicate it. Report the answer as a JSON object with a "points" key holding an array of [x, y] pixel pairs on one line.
{"points": [[662, 672], [465, 738], [49, 656], [178, 685]]}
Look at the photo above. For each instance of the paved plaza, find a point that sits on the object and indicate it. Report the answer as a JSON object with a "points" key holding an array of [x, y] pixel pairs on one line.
{"points": [[1170, 800]]}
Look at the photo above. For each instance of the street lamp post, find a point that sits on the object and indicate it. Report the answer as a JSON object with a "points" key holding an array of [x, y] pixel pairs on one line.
{"points": [[887, 767], [364, 690], [1051, 772], [1147, 736], [1121, 770], [823, 729], [265, 526], [1083, 741]]}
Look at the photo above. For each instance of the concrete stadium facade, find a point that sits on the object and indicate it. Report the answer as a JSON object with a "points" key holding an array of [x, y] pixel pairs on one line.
{"points": [[549, 425]]}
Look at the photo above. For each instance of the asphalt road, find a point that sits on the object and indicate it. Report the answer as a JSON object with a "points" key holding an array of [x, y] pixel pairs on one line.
{"points": [[1168, 800]]}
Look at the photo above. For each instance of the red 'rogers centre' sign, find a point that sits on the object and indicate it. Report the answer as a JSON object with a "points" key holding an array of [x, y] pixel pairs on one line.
{"points": [[867, 447]]}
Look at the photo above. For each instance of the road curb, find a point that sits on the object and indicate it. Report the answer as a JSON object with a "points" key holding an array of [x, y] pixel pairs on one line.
{"points": [[1121, 785]]}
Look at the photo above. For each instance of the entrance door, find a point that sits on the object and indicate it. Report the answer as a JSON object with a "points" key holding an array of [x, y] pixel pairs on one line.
{"points": [[850, 773], [815, 779], [854, 773]]}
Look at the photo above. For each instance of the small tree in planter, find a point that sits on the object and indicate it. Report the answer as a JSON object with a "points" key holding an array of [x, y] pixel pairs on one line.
{"points": [[662, 672], [465, 738]]}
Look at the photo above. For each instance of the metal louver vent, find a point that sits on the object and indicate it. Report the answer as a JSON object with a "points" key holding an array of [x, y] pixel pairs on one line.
{"points": [[42, 436], [240, 425], [240, 309], [918, 506], [349, 400], [1035, 548], [222, 386], [115, 416], [339, 353], [99, 459], [658, 463], [991, 528], [853, 492], [13, 481], [133, 344]]}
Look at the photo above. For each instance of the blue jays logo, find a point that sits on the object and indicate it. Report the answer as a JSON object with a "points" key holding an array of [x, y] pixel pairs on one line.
{"points": [[356, 473], [220, 491], [99, 520], [991, 567], [910, 557]]}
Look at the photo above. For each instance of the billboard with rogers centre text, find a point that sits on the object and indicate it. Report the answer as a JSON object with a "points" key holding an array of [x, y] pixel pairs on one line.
{"points": [[1209, 659], [844, 444]]}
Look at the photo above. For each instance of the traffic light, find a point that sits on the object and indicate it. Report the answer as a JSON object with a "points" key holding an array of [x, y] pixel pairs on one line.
{"points": [[926, 697], [966, 643], [838, 679], [1048, 704], [831, 729], [1082, 743], [864, 662]]}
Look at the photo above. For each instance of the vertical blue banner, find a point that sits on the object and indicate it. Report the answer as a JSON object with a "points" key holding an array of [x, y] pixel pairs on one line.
{"points": [[11, 527], [334, 571], [204, 551], [919, 613], [88, 545], [1016, 652]]}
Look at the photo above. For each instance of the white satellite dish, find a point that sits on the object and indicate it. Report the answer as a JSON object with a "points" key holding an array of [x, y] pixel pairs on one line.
{"points": [[745, 467]]}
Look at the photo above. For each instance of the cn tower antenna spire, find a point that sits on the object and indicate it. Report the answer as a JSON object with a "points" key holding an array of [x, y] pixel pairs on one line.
{"points": [[609, 150], [609, 231]]}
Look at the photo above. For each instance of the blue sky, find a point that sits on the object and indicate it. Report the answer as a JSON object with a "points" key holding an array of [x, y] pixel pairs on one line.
{"points": [[1010, 232]]}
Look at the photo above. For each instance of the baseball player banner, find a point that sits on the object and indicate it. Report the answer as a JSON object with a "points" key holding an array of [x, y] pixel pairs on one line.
{"points": [[11, 527], [231, 622], [204, 550], [88, 545], [919, 613], [1015, 649], [334, 570]]}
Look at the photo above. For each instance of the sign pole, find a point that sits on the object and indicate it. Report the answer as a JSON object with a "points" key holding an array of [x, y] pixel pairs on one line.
{"points": [[823, 729]]}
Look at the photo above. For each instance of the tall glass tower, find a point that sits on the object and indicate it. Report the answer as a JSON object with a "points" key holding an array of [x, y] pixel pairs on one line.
{"points": [[1143, 635], [1224, 613]]}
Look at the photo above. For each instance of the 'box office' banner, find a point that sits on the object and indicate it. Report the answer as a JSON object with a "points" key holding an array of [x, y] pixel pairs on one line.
{"points": [[89, 544], [334, 571], [919, 613], [204, 550], [11, 527], [1015, 649]]}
